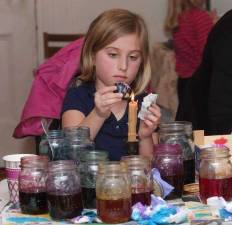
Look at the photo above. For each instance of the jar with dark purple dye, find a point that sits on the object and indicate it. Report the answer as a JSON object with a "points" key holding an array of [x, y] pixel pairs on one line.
{"points": [[32, 185], [168, 160], [64, 190]]}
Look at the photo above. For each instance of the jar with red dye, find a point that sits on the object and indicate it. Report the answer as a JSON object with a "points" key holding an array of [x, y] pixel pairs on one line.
{"points": [[215, 173], [139, 168]]}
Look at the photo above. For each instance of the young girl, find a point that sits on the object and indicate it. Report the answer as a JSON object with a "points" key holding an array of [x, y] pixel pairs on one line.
{"points": [[116, 49], [188, 24]]}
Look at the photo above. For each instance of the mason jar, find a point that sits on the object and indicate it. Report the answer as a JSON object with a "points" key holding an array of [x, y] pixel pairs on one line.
{"points": [[169, 161], [215, 173], [139, 168], [88, 167], [53, 146], [32, 186], [77, 140], [113, 192], [175, 133], [63, 190]]}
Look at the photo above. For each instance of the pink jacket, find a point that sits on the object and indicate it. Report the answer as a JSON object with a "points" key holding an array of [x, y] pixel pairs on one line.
{"points": [[48, 89]]}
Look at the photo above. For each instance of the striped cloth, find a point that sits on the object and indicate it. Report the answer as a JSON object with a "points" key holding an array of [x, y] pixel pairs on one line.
{"points": [[189, 40]]}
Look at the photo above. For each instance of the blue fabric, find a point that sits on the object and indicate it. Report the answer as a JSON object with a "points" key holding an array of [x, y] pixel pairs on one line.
{"points": [[112, 136]]}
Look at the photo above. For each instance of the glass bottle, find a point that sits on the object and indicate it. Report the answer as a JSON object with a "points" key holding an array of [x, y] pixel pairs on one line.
{"points": [[215, 173], [32, 186], [169, 161], [175, 133], [77, 140], [63, 190], [88, 170], [53, 146], [113, 192], [140, 175]]}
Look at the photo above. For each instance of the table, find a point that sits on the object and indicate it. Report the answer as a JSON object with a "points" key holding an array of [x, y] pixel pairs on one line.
{"points": [[12, 216]]}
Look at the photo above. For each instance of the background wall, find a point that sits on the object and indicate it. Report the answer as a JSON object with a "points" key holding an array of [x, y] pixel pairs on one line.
{"points": [[222, 6], [74, 16]]}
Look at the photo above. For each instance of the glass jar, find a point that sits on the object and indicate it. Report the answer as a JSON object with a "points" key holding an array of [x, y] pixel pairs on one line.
{"points": [[63, 190], [88, 171], [113, 192], [215, 173], [175, 133], [77, 140], [32, 186], [140, 176], [169, 161], [53, 146]]}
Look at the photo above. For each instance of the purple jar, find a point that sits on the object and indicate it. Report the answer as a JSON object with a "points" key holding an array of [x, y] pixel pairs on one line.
{"points": [[168, 160]]}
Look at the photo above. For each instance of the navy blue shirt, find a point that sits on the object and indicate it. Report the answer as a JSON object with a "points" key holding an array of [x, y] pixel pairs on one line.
{"points": [[112, 136]]}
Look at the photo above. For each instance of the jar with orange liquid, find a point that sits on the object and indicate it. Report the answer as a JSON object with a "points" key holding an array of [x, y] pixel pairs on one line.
{"points": [[215, 173], [113, 192]]}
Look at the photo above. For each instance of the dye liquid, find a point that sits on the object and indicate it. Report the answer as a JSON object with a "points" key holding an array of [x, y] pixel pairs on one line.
{"points": [[177, 182], [64, 206], [33, 203], [144, 198], [215, 187], [89, 197], [114, 211], [189, 171]]}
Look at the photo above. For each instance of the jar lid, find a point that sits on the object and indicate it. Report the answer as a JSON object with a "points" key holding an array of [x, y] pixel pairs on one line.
{"points": [[170, 149]]}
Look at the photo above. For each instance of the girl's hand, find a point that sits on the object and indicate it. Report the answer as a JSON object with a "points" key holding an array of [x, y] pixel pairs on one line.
{"points": [[150, 123], [104, 99]]}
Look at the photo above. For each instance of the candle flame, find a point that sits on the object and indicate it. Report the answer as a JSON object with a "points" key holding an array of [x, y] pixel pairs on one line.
{"points": [[132, 96]]}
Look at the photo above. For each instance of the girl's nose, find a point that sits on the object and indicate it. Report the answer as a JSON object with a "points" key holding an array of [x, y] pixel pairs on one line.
{"points": [[122, 63]]}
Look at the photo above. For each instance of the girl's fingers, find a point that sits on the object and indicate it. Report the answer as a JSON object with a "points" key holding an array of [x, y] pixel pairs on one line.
{"points": [[108, 102], [155, 110], [107, 89]]}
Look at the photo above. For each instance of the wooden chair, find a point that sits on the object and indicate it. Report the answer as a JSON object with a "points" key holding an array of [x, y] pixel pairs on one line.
{"points": [[54, 42]]}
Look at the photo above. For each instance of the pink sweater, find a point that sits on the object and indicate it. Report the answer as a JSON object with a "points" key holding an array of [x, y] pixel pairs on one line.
{"points": [[48, 89], [189, 40]]}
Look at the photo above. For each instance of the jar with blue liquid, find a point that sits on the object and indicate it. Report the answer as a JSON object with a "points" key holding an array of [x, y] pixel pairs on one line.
{"points": [[77, 140], [52, 146]]}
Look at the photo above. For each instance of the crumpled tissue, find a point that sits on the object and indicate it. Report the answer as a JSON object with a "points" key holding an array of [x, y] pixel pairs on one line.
{"points": [[147, 101]]}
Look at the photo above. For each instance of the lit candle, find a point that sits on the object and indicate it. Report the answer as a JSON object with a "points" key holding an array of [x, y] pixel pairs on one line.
{"points": [[132, 119]]}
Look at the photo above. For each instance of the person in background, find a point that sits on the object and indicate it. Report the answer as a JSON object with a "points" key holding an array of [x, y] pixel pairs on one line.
{"points": [[116, 49], [164, 79], [211, 84], [188, 24]]}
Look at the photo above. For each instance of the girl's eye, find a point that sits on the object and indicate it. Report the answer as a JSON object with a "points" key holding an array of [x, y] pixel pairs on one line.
{"points": [[133, 57], [112, 55]]}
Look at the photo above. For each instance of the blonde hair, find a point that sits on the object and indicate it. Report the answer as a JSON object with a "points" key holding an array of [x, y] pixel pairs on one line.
{"points": [[175, 9], [105, 29]]}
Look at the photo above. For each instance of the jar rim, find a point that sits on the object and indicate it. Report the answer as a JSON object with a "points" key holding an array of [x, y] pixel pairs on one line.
{"points": [[136, 161], [170, 149], [34, 161], [60, 165], [112, 167], [214, 152], [94, 155]]}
